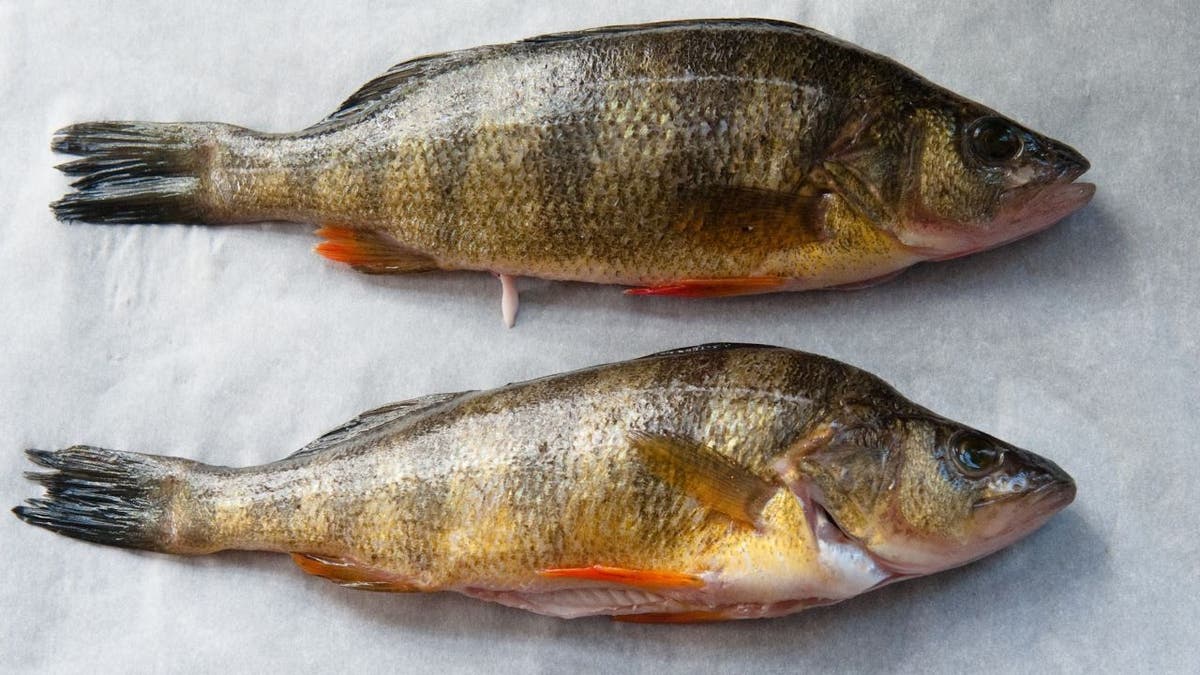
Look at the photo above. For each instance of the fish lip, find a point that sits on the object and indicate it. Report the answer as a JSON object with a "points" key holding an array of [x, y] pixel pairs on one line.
{"points": [[1050, 497], [1029, 209]]}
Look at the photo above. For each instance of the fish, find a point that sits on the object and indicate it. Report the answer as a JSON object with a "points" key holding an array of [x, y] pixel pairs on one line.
{"points": [[700, 158], [721, 481]]}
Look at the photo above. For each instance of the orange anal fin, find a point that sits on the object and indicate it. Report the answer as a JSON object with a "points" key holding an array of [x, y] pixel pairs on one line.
{"points": [[347, 573], [713, 288], [698, 616], [371, 252], [647, 579]]}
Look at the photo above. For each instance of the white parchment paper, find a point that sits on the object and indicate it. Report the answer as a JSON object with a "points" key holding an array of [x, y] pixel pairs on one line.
{"points": [[237, 345]]}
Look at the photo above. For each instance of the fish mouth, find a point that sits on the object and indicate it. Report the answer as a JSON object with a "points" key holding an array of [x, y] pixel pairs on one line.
{"points": [[1030, 209], [1045, 500], [1022, 210]]}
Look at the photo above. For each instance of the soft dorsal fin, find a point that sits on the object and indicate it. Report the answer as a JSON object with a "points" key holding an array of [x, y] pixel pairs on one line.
{"points": [[711, 478], [707, 347], [375, 418], [397, 77]]}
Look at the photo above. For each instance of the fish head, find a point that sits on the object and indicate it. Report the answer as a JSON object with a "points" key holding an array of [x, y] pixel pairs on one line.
{"points": [[976, 180], [926, 494]]}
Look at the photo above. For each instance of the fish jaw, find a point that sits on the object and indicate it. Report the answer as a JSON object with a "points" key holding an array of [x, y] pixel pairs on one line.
{"points": [[1022, 211]]}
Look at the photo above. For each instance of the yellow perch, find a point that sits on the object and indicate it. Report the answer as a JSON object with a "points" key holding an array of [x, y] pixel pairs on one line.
{"points": [[691, 158], [715, 482]]}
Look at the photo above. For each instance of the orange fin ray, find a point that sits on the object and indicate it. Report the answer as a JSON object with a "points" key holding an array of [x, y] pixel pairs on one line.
{"points": [[344, 572], [713, 288], [371, 252], [646, 579]]}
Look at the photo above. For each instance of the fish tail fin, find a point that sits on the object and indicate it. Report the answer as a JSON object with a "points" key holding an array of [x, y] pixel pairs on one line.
{"points": [[140, 172], [112, 498]]}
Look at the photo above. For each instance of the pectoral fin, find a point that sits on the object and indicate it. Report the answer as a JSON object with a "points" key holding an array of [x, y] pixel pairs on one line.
{"points": [[736, 214], [714, 480], [371, 252], [644, 579], [348, 573]]}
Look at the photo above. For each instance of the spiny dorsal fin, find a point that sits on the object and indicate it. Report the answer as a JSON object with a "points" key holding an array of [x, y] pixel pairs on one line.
{"points": [[708, 347], [375, 418], [711, 478]]}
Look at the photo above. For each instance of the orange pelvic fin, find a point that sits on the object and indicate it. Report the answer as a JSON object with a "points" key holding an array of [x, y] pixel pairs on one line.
{"points": [[646, 579], [371, 252], [697, 616], [713, 288], [348, 573]]}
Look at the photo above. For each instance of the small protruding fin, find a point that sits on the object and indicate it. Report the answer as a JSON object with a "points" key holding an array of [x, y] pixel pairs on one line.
{"points": [[645, 579], [375, 418], [350, 574], [714, 480], [371, 252], [713, 288]]}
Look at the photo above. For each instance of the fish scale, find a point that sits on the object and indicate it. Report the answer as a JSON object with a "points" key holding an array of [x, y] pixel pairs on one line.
{"points": [[722, 481], [695, 158]]}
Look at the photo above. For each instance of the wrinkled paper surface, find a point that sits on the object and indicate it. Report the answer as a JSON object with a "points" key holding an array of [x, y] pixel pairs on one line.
{"points": [[238, 345]]}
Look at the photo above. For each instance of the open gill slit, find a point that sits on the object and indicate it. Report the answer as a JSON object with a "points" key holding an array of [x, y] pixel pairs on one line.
{"points": [[827, 529]]}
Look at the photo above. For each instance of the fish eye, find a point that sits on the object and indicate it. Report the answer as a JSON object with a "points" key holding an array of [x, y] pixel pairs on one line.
{"points": [[991, 140], [974, 454]]}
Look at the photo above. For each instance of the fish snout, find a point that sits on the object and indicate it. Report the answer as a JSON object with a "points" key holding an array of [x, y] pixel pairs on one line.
{"points": [[1068, 162], [1049, 486]]}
